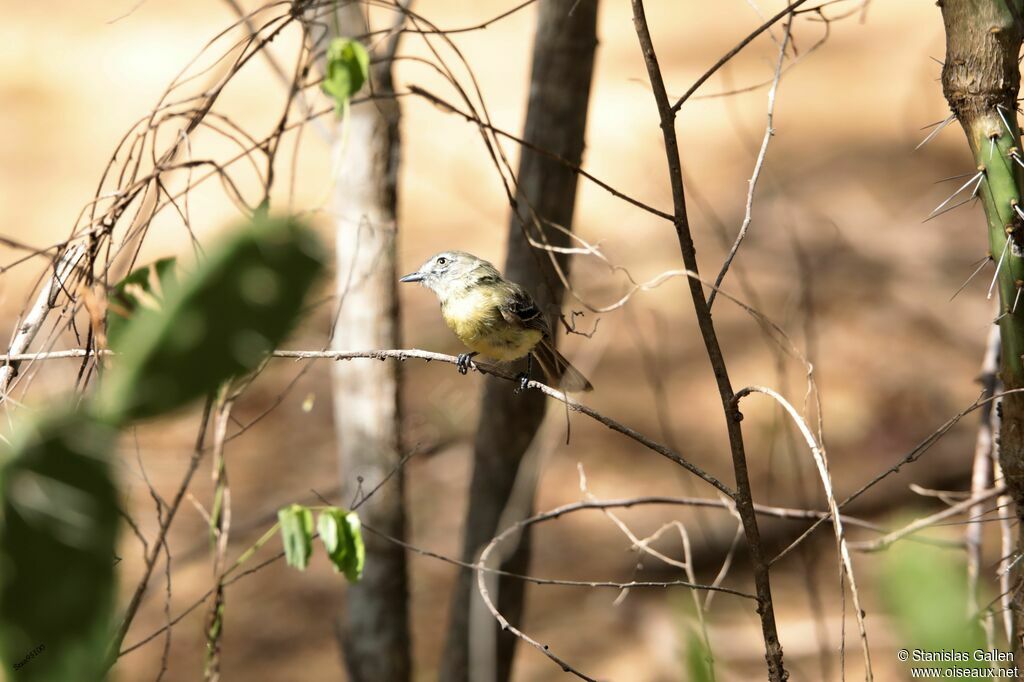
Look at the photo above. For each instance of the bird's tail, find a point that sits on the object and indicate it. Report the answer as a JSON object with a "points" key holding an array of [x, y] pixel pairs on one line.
{"points": [[559, 372]]}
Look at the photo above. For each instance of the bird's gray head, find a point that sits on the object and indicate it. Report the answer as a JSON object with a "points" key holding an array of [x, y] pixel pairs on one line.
{"points": [[451, 270]]}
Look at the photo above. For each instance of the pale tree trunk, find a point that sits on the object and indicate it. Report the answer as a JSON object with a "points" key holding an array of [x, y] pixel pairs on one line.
{"points": [[374, 626], [563, 60]]}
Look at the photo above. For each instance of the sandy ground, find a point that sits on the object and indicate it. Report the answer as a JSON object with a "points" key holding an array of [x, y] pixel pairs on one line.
{"points": [[843, 186]]}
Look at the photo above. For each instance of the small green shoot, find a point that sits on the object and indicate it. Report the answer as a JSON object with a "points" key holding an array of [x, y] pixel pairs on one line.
{"points": [[348, 67]]}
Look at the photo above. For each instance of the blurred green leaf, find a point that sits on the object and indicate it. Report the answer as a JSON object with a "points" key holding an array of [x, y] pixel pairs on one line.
{"points": [[355, 551], [698, 660], [348, 67], [58, 531], [925, 591], [219, 322], [296, 535], [329, 526], [144, 287], [342, 535]]}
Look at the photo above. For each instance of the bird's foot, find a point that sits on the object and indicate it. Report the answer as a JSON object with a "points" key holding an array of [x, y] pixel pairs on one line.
{"points": [[522, 379], [462, 362]]}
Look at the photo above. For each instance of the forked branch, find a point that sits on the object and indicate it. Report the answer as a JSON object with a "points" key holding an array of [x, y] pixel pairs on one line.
{"points": [[743, 497]]}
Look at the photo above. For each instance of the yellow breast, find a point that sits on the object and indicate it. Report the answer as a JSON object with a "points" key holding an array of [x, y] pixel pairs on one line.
{"points": [[475, 317]]}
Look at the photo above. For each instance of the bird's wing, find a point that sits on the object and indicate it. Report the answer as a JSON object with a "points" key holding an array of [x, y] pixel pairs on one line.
{"points": [[520, 310]]}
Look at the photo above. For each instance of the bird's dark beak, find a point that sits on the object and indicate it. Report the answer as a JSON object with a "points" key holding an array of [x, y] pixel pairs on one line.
{"points": [[413, 277]]}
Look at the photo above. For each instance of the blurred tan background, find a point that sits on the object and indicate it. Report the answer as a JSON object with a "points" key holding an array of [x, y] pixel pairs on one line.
{"points": [[837, 226]]}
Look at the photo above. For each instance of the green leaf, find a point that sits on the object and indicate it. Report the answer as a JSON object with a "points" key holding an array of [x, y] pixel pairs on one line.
{"points": [[144, 287], [218, 323], [330, 526], [698, 660], [355, 550], [296, 534], [58, 533], [348, 67]]}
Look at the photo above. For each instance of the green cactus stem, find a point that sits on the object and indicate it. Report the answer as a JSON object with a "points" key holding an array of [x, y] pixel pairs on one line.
{"points": [[981, 81], [219, 322], [58, 534]]}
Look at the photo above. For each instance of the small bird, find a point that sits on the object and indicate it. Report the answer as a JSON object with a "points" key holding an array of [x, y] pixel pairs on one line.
{"points": [[494, 317]]}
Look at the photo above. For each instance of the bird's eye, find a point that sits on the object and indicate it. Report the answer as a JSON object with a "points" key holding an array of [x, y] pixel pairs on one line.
{"points": [[442, 260]]}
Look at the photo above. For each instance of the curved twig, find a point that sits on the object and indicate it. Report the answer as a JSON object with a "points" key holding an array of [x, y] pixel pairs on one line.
{"points": [[481, 567], [769, 132], [826, 482]]}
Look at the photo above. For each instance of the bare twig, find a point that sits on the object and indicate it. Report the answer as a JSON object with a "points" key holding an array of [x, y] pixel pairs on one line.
{"points": [[920, 524], [220, 528], [981, 471], [916, 453], [140, 589], [743, 496], [1007, 548], [36, 316], [769, 131], [447, 106], [481, 568], [826, 481], [733, 52]]}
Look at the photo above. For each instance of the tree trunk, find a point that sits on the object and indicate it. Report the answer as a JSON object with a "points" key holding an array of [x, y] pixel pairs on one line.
{"points": [[375, 626], [981, 79], [563, 60]]}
